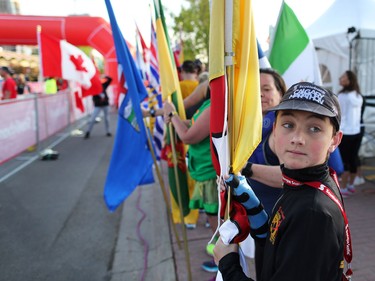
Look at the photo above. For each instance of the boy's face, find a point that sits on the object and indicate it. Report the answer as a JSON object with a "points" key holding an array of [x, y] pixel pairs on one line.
{"points": [[303, 139]]}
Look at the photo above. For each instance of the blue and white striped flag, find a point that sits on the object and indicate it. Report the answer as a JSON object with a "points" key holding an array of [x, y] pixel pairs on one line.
{"points": [[263, 60]]}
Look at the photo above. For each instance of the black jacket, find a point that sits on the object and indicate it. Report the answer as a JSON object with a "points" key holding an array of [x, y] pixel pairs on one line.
{"points": [[102, 99], [306, 234]]}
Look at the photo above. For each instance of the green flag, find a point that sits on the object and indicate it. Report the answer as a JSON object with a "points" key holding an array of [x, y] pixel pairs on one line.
{"points": [[292, 53]]}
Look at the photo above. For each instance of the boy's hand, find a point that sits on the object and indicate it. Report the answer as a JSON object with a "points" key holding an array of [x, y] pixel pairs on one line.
{"points": [[222, 250]]}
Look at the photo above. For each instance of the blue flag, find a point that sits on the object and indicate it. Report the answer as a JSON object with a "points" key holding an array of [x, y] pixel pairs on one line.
{"points": [[131, 163], [263, 60]]}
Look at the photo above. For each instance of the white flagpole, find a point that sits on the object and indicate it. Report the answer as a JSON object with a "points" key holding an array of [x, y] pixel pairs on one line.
{"points": [[38, 31], [228, 61], [229, 78]]}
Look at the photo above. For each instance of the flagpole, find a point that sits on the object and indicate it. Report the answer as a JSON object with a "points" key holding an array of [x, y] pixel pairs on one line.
{"points": [[40, 80], [187, 255], [162, 185], [228, 62], [38, 31]]}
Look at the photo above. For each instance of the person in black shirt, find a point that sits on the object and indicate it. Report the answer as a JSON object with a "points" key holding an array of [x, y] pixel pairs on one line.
{"points": [[101, 103], [308, 235]]}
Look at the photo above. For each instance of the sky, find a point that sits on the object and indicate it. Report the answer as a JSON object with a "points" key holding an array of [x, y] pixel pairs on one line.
{"points": [[130, 11]]}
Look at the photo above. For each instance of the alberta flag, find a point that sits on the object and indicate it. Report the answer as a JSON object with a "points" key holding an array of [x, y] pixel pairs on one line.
{"points": [[131, 162], [292, 53]]}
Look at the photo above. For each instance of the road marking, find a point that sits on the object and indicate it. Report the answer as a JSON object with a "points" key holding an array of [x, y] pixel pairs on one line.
{"points": [[370, 177], [367, 167]]}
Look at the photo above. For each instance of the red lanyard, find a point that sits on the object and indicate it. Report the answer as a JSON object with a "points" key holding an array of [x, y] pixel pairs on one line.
{"points": [[348, 254]]}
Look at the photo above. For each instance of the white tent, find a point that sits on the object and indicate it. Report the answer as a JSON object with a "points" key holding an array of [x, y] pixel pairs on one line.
{"points": [[332, 40], [344, 37]]}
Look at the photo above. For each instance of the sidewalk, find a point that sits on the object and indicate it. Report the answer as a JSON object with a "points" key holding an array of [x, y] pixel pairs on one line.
{"points": [[144, 250], [360, 208], [166, 261]]}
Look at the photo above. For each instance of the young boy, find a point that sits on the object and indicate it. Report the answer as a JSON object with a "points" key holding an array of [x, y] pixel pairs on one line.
{"points": [[308, 235]]}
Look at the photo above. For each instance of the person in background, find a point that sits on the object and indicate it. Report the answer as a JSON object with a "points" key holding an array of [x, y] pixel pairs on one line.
{"points": [[203, 76], [27, 74], [9, 87], [266, 184], [50, 86], [351, 101], [200, 67], [62, 84], [22, 86], [189, 78], [101, 103], [188, 83]]}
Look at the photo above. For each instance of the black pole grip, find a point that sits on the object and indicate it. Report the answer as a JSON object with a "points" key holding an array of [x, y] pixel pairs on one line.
{"points": [[234, 182]]}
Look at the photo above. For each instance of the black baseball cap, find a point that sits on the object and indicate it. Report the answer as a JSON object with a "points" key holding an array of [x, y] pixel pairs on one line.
{"points": [[309, 97]]}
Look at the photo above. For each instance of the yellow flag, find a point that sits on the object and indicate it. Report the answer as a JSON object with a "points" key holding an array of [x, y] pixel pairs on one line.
{"points": [[246, 128], [167, 70], [170, 87]]}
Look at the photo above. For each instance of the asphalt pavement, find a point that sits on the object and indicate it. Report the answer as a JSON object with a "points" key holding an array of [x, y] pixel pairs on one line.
{"points": [[54, 223]]}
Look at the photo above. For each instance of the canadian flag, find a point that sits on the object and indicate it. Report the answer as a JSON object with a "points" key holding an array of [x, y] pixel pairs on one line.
{"points": [[96, 84], [62, 59]]}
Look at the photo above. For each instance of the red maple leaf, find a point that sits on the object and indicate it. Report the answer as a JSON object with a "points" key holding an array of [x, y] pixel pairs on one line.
{"points": [[78, 62]]}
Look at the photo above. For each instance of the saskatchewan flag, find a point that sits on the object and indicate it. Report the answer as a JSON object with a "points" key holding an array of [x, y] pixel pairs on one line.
{"points": [[292, 53], [170, 88]]}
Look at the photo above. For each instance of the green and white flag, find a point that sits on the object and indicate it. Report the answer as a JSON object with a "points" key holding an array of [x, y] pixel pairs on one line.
{"points": [[292, 53]]}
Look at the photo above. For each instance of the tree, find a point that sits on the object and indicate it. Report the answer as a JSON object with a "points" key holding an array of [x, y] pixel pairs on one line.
{"points": [[192, 25]]}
